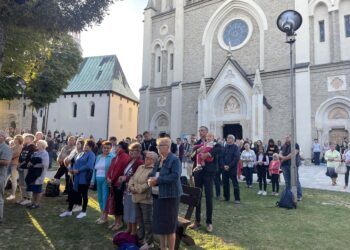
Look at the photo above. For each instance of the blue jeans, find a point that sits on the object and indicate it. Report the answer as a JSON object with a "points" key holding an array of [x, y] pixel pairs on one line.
{"points": [[102, 192], [286, 175]]}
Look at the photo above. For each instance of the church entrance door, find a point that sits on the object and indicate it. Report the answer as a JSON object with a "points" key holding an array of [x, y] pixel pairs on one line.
{"points": [[233, 129], [338, 135]]}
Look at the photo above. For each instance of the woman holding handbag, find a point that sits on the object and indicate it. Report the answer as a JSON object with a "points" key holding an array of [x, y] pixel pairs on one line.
{"points": [[129, 171], [333, 159]]}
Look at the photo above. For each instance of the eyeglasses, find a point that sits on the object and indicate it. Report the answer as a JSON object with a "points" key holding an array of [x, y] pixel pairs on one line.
{"points": [[149, 158]]}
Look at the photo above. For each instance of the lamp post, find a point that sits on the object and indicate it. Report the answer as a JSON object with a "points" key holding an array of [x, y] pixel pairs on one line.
{"points": [[288, 22]]}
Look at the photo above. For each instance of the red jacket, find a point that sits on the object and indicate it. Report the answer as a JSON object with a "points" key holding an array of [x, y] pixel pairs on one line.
{"points": [[117, 167], [274, 167]]}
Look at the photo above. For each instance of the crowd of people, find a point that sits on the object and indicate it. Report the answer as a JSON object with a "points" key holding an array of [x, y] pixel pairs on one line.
{"points": [[138, 181]]}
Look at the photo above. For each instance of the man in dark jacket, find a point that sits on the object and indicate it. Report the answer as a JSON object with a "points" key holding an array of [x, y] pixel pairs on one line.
{"points": [[231, 157], [148, 144], [204, 179]]}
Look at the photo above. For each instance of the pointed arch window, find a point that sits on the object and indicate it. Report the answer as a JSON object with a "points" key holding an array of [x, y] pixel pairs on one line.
{"points": [[75, 109], [92, 109], [24, 110]]}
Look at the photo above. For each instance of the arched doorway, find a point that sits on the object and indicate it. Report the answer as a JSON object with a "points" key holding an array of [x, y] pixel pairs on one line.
{"points": [[332, 120]]}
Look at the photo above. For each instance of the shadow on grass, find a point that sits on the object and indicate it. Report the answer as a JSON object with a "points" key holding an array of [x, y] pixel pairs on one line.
{"points": [[321, 221]]}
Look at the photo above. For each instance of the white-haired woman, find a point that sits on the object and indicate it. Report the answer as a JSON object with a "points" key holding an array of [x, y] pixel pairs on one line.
{"points": [[166, 190], [38, 166], [142, 197]]}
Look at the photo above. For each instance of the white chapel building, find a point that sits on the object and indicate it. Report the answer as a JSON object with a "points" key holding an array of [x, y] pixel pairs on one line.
{"points": [[224, 64]]}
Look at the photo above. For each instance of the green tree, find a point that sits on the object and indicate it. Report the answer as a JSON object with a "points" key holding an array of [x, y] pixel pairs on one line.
{"points": [[45, 62], [49, 16], [61, 65]]}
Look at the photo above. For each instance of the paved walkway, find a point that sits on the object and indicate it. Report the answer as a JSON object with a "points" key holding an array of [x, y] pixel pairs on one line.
{"points": [[310, 177], [315, 177]]}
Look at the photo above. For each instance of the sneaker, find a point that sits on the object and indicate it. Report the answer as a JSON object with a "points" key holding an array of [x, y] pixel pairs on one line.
{"points": [[33, 206], [273, 193], [300, 198], [146, 246], [66, 213], [26, 202], [345, 187], [237, 202], [260, 192], [195, 225], [276, 194], [209, 228], [81, 215], [19, 201], [77, 208], [11, 197], [264, 193]]}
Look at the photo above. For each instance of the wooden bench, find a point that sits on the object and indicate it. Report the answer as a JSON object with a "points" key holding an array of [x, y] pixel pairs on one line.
{"points": [[191, 197]]}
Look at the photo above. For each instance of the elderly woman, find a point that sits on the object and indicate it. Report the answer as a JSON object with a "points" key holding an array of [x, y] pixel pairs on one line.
{"points": [[129, 171], [333, 159], [166, 190], [16, 149], [37, 169], [142, 197], [103, 162], [68, 163], [248, 158], [81, 170], [115, 199]]}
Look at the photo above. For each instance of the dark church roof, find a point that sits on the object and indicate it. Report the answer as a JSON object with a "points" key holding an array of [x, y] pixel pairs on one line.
{"points": [[101, 73]]}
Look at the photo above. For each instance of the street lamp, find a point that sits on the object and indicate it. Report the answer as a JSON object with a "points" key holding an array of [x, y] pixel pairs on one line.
{"points": [[288, 22]]}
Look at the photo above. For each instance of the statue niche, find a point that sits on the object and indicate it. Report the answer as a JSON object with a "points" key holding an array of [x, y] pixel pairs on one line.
{"points": [[232, 106]]}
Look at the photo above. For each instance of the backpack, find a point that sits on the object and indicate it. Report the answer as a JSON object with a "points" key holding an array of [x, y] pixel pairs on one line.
{"points": [[121, 238], [52, 190], [287, 200], [128, 246]]}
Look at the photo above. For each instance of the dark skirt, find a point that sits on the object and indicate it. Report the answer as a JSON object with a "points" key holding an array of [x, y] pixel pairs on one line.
{"points": [[331, 172], [165, 212]]}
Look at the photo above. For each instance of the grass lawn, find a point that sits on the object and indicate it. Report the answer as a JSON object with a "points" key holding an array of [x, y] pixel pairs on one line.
{"points": [[322, 221]]}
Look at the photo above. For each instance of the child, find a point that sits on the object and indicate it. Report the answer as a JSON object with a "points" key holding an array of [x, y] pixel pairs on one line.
{"points": [[274, 170], [206, 147]]}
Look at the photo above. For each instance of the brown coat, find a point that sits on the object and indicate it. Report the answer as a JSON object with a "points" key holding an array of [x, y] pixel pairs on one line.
{"points": [[141, 192]]}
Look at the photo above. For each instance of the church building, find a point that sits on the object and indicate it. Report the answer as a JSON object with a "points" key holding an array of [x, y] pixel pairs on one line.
{"points": [[225, 64]]}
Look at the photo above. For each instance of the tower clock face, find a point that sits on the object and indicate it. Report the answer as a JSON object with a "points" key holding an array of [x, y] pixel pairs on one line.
{"points": [[235, 33]]}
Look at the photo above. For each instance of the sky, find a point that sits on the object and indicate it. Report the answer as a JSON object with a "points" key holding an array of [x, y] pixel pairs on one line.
{"points": [[121, 34]]}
